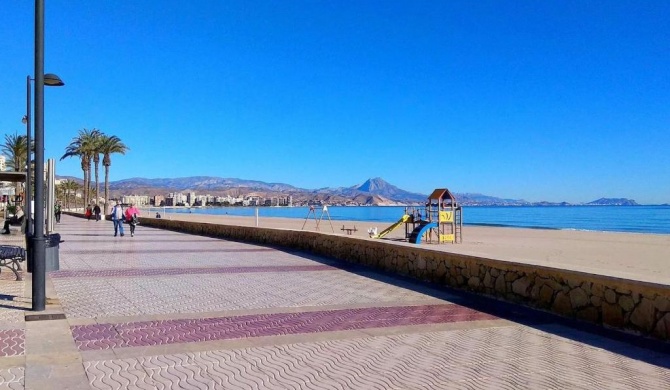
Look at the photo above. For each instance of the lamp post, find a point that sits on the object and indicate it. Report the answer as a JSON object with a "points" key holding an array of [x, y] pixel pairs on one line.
{"points": [[28, 189], [50, 80], [38, 238]]}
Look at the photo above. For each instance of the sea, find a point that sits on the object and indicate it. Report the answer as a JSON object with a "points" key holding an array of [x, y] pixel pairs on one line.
{"points": [[628, 219]]}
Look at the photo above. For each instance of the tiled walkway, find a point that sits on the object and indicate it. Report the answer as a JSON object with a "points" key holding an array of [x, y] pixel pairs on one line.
{"points": [[164, 310]]}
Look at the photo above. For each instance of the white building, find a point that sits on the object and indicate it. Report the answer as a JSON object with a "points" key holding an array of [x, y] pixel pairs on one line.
{"points": [[137, 200]]}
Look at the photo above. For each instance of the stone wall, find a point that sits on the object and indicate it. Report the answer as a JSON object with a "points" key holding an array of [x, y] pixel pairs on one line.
{"points": [[629, 305]]}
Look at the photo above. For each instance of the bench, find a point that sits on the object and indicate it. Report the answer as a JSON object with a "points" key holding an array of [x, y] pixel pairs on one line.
{"points": [[11, 257], [349, 230]]}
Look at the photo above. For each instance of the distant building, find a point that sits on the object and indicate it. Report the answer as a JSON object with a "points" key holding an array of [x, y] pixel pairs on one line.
{"points": [[138, 200], [158, 200], [201, 200]]}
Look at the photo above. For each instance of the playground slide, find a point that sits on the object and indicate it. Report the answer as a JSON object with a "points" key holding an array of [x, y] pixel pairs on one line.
{"points": [[391, 228], [419, 231]]}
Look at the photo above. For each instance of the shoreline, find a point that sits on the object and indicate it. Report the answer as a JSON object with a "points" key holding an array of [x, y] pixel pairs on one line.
{"points": [[266, 212], [638, 256]]}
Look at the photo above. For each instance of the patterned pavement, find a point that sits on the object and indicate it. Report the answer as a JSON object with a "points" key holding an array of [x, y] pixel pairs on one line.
{"points": [[104, 336], [164, 310]]}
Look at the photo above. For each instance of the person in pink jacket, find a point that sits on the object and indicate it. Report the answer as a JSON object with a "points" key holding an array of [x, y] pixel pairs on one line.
{"points": [[131, 217]]}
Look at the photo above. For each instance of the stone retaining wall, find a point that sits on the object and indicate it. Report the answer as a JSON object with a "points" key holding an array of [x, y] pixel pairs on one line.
{"points": [[630, 305]]}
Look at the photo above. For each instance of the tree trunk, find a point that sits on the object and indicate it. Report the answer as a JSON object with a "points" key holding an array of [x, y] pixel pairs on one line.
{"points": [[106, 188], [84, 191], [97, 182]]}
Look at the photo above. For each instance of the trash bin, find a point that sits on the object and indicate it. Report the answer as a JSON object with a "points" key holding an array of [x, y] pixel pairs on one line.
{"points": [[52, 259]]}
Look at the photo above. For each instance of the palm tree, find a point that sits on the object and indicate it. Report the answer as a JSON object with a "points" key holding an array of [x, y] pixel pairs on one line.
{"points": [[99, 137], [84, 146], [74, 187], [16, 149], [61, 192], [108, 146]]}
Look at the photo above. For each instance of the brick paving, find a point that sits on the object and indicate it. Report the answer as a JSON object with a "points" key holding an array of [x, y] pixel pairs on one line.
{"points": [[186, 271], [11, 342], [135, 334], [164, 310]]}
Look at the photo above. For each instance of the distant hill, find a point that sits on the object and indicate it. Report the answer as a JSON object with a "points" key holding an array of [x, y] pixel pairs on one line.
{"points": [[473, 199], [380, 187], [613, 202], [199, 183], [374, 191], [382, 192]]}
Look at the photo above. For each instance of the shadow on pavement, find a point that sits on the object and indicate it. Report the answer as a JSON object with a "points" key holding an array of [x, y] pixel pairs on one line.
{"points": [[630, 345]]}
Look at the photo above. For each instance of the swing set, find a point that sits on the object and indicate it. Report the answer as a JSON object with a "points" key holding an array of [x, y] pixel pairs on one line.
{"points": [[312, 212]]}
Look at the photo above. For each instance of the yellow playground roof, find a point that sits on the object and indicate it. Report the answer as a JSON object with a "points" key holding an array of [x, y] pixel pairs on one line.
{"points": [[442, 194]]}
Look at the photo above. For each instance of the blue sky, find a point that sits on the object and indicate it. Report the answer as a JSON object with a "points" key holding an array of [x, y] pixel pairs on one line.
{"points": [[551, 100]]}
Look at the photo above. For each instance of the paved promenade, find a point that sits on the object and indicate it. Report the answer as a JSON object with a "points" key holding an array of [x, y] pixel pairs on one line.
{"points": [[165, 310]]}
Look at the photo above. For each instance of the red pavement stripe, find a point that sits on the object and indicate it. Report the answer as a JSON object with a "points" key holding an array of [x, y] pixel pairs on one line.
{"points": [[126, 272], [12, 342], [173, 250], [149, 333]]}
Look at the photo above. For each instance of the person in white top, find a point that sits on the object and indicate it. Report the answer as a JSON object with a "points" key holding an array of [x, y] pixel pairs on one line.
{"points": [[117, 218]]}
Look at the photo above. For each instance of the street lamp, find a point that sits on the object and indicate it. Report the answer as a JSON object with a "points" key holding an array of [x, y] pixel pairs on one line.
{"points": [[50, 80], [39, 239]]}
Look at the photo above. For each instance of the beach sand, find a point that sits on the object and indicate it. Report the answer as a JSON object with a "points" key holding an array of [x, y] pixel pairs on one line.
{"points": [[631, 256]]}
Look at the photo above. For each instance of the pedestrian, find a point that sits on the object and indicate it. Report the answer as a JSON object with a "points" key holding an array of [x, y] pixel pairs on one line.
{"points": [[57, 211], [96, 211], [89, 212], [117, 218], [131, 217]]}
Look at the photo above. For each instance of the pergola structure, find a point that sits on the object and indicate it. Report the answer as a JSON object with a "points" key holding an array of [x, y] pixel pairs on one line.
{"points": [[16, 177]]}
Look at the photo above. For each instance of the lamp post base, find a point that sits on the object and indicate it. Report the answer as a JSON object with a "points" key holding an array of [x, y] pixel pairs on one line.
{"points": [[39, 273]]}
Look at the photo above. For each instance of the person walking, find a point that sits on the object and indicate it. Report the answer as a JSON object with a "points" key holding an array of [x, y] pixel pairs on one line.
{"points": [[89, 212], [57, 211], [96, 211], [131, 216], [117, 218]]}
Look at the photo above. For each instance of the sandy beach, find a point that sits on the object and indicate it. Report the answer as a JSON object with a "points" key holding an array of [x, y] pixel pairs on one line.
{"points": [[631, 256]]}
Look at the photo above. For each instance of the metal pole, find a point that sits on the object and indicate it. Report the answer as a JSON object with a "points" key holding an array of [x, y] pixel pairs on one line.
{"points": [[256, 216], [29, 190], [39, 242], [51, 194]]}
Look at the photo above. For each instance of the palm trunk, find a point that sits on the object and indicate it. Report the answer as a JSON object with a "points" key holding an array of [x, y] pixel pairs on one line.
{"points": [[96, 161], [106, 187], [90, 179], [84, 192]]}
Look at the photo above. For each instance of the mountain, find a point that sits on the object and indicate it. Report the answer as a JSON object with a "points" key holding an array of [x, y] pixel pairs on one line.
{"points": [[613, 202], [473, 199], [379, 186], [377, 191], [374, 191], [200, 183]]}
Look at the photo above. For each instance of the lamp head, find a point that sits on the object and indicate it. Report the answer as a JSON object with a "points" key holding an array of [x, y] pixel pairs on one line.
{"points": [[52, 80], [24, 120]]}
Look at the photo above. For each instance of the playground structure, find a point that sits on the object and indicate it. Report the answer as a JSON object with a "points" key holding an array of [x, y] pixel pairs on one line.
{"points": [[440, 221], [324, 211]]}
